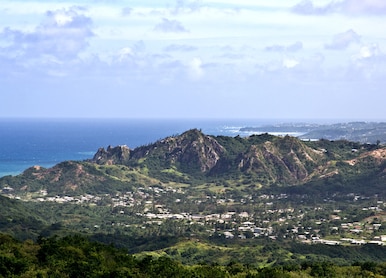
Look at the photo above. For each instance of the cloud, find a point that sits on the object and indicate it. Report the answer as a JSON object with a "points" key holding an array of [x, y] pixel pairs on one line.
{"points": [[184, 6], [195, 69], [124, 54], [306, 7], [139, 46], [275, 48], [126, 11], [170, 26], [369, 51], [343, 40], [63, 35], [369, 62], [295, 47], [377, 7], [282, 48], [180, 47], [232, 56], [304, 69], [349, 7], [290, 63]]}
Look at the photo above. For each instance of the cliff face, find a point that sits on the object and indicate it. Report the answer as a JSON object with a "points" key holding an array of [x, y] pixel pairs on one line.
{"points": [[112, 155]]}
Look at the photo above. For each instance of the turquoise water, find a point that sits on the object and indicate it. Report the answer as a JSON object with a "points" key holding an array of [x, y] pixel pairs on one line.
{"points": [[46, 142]]}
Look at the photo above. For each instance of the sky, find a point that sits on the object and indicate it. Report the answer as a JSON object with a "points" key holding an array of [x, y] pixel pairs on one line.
{"points": [[277, 59]]}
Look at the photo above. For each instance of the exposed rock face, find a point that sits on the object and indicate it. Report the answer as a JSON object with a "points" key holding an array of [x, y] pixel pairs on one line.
{"points": [[112, 155], [65, 177], [195, 149], [269, 159], [278, 160], [261, 160], [192, 150], [286, 160], [378, 156]]}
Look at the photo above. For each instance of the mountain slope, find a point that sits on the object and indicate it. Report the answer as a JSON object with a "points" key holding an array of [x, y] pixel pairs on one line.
{"points": [[192, 151], [195, 158], [68, 177], [17, 219]]}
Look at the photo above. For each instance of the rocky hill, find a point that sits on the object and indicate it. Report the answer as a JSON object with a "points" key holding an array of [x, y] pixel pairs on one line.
{"points": [[252, 193], [193, 158], [191, 151], [270, 159]]}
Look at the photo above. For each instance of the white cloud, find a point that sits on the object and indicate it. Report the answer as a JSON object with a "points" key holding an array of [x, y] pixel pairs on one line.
{"points": [[295, 47], [63, 35], [220, 45], [124, 53], [282, 48], [368, 51], [377, 7], [290, 63], [180, 47], [195, 69], [170, 26], [343, 40], [307, 7], [62, 19], [185, 6], [127, 11], [369, 63], [349, 7]]}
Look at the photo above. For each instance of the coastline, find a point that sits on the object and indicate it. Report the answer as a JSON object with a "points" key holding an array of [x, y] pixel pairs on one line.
{"points": [[46, 142]]}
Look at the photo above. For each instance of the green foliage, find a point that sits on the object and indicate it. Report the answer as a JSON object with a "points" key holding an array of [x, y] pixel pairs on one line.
{"points": [[16, 219], [76, 256], [194, 159], [254, 175]]}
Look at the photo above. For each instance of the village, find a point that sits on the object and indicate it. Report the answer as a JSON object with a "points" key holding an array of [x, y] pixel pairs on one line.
{"points": [[237, 217]]}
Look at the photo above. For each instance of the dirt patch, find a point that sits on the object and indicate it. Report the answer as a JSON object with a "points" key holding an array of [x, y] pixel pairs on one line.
{"points": [[379, 155]]}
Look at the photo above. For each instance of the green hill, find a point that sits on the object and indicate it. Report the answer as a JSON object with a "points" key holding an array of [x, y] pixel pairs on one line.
{"points": [[196, 159], [211, 198], [17, 219]]}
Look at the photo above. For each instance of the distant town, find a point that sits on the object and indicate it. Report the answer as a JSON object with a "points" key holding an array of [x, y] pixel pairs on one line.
{"points": [[272, 216]]}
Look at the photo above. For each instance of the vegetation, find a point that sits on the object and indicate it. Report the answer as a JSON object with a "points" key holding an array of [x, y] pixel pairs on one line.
{"points": [[364, 132], [76, 256], [201, 206]]}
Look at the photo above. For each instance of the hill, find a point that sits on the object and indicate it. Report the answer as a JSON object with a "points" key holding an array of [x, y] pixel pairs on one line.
{"points": [[76, 256], [17, 219], [196, 159], [220, 191], [363, 132]]}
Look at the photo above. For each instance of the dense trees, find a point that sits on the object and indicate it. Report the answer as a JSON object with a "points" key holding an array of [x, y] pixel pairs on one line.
{"points": [[76, 256]]}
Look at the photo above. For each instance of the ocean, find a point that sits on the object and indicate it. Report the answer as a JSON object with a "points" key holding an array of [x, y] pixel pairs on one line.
{"points": [[46, 142]]}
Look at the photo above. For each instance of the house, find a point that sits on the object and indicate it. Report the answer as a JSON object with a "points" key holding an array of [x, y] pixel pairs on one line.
{"points": [[229, 235]]}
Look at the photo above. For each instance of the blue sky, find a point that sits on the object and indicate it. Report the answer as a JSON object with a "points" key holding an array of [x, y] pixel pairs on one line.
{"points": [[289, 59]]}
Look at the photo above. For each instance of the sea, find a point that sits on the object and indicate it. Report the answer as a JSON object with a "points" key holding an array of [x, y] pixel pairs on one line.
{"points": [[46, 142]]}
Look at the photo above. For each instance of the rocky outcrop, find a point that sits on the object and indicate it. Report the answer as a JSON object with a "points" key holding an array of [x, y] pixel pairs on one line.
{"points": [[191, 150], [269, 159], [194, 157], [112, 155], [279, 161], [273, 159]]}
